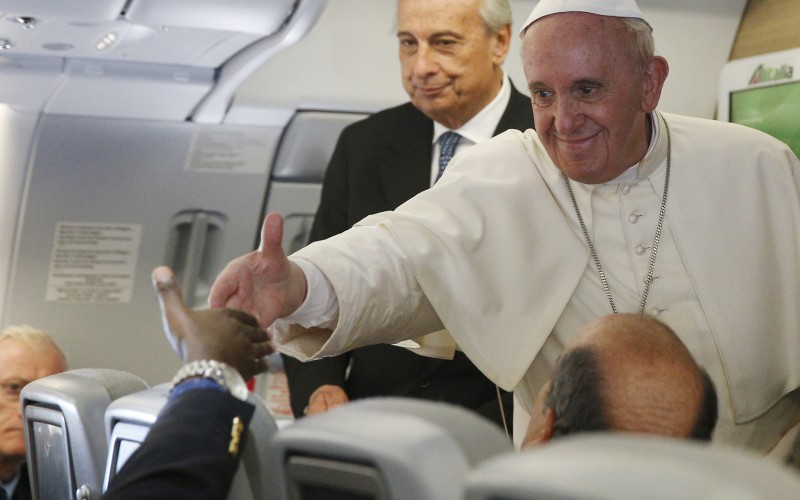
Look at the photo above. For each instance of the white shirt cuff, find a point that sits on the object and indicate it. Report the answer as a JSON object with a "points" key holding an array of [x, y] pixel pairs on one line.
{"points": [[321, 307]]}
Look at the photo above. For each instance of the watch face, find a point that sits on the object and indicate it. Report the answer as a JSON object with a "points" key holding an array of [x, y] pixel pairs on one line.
{"points": [[234, 381]]}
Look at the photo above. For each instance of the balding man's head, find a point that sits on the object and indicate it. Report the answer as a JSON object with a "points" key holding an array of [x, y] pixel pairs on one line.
{"points": [[26, 354], [627, 373]]}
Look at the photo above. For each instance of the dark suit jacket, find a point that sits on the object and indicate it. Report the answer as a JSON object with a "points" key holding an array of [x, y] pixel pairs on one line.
{"points": [[23, 489], [378, 164], [185, 454]]}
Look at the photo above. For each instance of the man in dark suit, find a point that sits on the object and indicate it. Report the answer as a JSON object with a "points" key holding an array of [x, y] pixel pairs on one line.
{"points": [[193, 449], [26, 354], [451, 54]]}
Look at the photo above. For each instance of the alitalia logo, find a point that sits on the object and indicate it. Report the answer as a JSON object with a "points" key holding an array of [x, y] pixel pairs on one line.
{"points": [[764, 74]]}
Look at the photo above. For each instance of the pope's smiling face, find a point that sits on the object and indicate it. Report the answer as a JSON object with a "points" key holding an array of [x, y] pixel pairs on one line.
{"points": [[590, 93]]}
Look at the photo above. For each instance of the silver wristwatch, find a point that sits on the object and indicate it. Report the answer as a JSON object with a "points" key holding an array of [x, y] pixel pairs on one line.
{"points": [[225, 375]]}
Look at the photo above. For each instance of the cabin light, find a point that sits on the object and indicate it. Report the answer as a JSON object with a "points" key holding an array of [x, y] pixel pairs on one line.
{"points": [[106, 40], [5, 44], [27, 22]]}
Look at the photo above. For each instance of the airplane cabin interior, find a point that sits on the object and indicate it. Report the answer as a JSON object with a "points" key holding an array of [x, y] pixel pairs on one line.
{"points": [[138, 133]]}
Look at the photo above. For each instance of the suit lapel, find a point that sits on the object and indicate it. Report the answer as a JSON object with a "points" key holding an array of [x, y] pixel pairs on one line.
{"points": [[407, 169], [518, 114], [23, 489]]}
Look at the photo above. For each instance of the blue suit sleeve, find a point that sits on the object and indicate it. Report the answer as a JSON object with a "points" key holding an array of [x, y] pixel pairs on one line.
{"points": [[185, 454]]}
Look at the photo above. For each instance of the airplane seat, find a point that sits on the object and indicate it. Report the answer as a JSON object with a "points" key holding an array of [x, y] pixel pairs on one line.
{"points": [[250, 482], [627, 466], [64, 432], [379, 449], [128, 420]]}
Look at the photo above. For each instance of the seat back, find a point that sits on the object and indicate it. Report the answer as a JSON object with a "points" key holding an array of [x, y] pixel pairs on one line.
{"points": [[380, 449], [626, 466], [64, 432], [128, 420]]}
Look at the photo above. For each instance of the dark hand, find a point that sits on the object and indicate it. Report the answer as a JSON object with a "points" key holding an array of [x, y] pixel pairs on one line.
{"points": [[225, 335], [263, 283]]}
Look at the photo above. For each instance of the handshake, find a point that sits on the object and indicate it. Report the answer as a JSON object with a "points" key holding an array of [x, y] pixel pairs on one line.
{"points": [[226, 335]]}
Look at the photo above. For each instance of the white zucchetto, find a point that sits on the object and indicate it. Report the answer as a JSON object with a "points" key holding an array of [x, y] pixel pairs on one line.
{"points": [[614, 8]]}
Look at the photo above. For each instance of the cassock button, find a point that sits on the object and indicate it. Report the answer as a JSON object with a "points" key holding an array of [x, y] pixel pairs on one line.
{"points": [[634, 217], [424, 382]]}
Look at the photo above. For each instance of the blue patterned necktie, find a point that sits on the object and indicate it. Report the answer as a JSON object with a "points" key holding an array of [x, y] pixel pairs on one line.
{"points": [[447, 148]]}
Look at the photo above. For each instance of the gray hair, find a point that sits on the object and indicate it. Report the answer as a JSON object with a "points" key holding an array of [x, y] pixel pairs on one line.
{"points": [[33, 337], [495, 14], [575, 394], [642, 45]]}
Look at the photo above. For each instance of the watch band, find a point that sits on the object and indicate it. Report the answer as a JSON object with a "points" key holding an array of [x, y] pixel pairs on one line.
{"points": [[224, 375]]}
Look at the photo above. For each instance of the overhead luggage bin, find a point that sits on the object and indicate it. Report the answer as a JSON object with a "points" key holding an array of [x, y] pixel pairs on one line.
{"points": [[142, 58]]}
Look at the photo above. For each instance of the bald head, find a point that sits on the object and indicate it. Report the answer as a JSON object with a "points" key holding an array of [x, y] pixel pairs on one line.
{"points": [[627, 373], [651, 383]]}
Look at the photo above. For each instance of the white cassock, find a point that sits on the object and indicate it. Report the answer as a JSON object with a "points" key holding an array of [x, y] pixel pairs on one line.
{"points": [[494, 254]]}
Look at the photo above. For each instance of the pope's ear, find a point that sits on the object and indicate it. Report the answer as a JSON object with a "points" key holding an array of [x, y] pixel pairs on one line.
{"points": [[653, 80]]}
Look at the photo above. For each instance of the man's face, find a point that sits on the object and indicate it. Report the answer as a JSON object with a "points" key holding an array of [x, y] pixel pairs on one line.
{"points": [[20, 363], [590, 98], [450, 64]]}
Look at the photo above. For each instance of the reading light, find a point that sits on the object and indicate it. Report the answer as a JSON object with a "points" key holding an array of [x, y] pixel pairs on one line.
{"points": [[106, 40], [27, 22]]}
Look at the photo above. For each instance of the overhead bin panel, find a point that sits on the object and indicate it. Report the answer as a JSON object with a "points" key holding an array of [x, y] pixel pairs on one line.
{"points": [[120, 39], [262, 17], [159, 59], [129, 90], [89, 11]]}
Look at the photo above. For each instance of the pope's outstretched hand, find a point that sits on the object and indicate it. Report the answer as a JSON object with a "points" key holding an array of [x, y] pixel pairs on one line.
{"points": [[263, 283]]}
